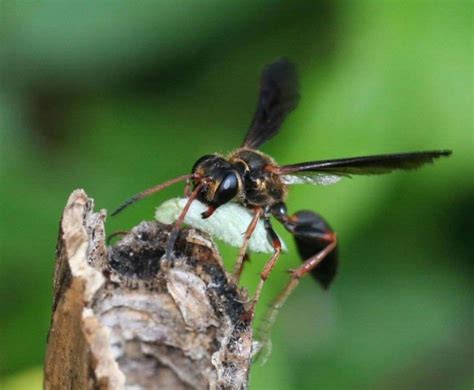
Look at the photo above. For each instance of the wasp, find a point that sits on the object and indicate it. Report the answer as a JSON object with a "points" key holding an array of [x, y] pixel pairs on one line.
{"points": [[255, 181]]}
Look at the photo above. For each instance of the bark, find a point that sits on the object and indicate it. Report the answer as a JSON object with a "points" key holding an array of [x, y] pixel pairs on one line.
{"points": [[125, 317]]}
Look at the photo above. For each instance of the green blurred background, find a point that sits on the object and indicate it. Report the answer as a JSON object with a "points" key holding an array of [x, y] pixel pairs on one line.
{"points": [[116, 97]]}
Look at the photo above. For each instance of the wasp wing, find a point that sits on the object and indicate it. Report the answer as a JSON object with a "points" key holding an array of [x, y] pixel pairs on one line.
{"points": [[278, 97], [317, 178], [331, 171]]}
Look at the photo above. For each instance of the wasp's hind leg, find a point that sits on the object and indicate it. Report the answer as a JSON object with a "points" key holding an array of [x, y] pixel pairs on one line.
{"points": [[316, 243], [313, 236]]}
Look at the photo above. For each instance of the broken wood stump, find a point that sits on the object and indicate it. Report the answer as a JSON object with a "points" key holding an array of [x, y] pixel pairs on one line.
{"points": [[126, 317]]}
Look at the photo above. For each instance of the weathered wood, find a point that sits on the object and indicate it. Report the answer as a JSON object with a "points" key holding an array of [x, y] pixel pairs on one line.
{"points": [[124, 317]]}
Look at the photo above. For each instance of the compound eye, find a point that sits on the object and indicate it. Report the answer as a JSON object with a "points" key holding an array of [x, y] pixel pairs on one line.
{"points": [[228, 188]]}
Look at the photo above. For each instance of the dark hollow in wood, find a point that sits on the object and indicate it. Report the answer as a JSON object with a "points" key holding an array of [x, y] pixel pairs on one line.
{"points": [[124, 317]]}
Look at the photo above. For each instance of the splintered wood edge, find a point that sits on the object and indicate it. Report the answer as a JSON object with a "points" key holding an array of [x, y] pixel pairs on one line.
{"points": [[79, 352], [78, 345]]}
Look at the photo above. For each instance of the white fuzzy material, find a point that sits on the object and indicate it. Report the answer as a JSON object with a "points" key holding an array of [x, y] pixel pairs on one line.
{"points": [[228, 223]]}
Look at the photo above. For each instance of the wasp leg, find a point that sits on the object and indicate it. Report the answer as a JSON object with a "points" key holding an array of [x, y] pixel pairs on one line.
{"points": [[243, 249], [312, 234], [276, 243], [311, 264], [177, 225], [317, 244], [274, 308]]}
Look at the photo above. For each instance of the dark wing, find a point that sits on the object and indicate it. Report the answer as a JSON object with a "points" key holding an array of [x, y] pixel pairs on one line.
{"points": [[331, 171], [278, 97]]}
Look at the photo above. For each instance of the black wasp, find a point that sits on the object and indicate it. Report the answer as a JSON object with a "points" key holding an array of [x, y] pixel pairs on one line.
{"points": [[255, 181]]}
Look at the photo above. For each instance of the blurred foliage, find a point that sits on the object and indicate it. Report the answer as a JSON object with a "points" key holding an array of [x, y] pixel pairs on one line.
{"points": [[117, 97]]}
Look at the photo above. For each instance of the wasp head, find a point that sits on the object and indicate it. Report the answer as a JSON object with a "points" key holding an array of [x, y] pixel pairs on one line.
{"points": [[221, 181]]}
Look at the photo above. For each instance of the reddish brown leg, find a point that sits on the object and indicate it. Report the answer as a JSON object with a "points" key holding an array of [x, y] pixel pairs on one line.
{"points": [[179, 221], [268, 265], [313, 261], [243, 249], [296, 274]]}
